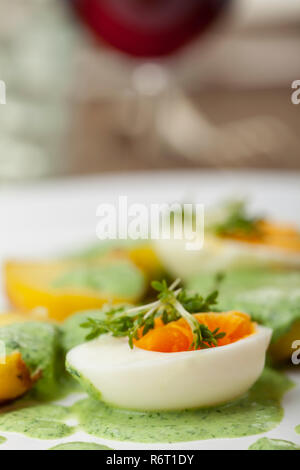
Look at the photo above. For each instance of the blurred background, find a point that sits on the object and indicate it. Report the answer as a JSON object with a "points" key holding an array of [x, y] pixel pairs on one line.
{"points": [[109, 85]]}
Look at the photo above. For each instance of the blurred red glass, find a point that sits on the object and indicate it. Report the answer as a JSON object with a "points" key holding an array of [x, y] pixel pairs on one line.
{"points": [[148, 28]]}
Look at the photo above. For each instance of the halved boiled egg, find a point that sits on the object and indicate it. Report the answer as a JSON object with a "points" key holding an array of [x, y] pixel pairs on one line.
{"points": [[162, 373], [269, 245]]}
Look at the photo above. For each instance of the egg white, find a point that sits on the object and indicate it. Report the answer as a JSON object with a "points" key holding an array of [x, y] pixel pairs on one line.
{"points": [[145, 380], [220, 254]]}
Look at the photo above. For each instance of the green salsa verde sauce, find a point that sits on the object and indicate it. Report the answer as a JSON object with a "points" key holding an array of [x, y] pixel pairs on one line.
{"points": [[273, 444], [45, 421], [297, 429], [2, 440], [120, 278], [80, 446], [256, 412], [96, 251], [40, 347]]}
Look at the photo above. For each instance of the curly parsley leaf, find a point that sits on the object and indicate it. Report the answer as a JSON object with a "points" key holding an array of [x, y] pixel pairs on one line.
{"points": [[237, 221], [171, 305]]}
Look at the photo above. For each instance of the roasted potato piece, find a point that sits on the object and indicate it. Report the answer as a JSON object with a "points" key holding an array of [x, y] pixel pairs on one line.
{"points": [[145, 257], [64, 287], [15, 377], [10, 318], [30, 355], [281, 350]]}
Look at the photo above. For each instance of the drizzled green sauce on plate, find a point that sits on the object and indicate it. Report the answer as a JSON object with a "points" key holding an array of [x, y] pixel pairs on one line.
{"points": [[273, 444], [80, 446], [41, 421], [256, 412]]}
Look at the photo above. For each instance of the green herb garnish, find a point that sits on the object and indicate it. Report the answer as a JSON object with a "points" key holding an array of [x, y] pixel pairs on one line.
{"points": [[171, 305], [237, 221], [115, 321]]}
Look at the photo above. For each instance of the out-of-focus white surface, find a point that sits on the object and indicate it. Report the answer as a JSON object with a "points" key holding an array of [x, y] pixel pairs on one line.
{"points": [[267, 12], [43, 219], [48, 218]]}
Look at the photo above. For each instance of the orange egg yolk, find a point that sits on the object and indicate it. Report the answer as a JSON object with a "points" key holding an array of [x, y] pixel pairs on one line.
{"points": [[177, 336], [284, 237]]}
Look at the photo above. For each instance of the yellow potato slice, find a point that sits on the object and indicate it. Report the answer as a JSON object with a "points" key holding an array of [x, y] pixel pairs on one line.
{"points": [[10, 318], [15, 378], [281, 350], [30, 285], [147, 260]]}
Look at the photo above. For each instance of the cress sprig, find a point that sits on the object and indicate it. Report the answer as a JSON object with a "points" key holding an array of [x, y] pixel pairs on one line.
{"points": [[172, 304], [237, 221]]}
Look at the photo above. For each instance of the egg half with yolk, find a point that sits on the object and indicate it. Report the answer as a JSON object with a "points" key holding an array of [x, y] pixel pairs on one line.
{"points": [[161, 372], [272, 245]]}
